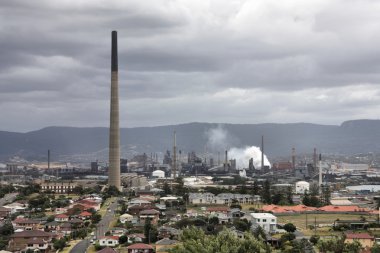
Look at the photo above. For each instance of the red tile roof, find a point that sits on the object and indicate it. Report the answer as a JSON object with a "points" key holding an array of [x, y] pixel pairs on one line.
{"points": [[61, 216], [140, 246], [359, 236], [85, 213], [110, 237], [303, 208], [287, 209], [332, 208]]}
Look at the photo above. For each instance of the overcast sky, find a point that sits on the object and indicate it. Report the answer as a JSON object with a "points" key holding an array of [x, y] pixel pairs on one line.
{"points": [[228, 61]]}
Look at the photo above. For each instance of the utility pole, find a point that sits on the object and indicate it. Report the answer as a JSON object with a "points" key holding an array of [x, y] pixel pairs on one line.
{"points": [[306, 220]]}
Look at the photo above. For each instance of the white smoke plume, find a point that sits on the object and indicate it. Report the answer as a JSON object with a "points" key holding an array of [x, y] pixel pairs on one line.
{"points": [[218, 139], [242, 156]]}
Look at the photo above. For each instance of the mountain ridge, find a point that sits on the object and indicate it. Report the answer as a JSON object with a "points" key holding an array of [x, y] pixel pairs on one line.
{"points": [[353, 136]]}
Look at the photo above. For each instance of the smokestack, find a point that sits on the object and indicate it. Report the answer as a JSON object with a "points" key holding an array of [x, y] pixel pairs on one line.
{"points": [[293, 158], [226, 161], [114, 138], [320, 173], [315, 159], [48, 159], [174, 165], [262, 152]]}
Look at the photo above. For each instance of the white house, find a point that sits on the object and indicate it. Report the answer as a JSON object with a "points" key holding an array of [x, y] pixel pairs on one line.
{"points": [[110, 241], [221, 199], [302, 187], [265, 220], [125, 218]]}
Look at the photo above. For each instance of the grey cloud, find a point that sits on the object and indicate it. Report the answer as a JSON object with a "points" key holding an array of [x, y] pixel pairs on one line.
{"points": [[176, 57]]}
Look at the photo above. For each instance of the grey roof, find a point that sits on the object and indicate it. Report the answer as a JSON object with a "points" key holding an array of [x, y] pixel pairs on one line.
{"points": [[166, 241]]}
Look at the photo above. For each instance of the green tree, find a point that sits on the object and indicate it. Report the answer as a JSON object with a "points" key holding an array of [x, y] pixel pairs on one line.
{"points": [[259, 233], [314, 239], [7, 229], [290, 228], [289, 195], [167, 189], [266, 193], [123, 239], [375, 249], [95, 218], [59, 244], [326, 195], [194, 240], [255, 188], [150, 232], [337, 245], [214, 220]]}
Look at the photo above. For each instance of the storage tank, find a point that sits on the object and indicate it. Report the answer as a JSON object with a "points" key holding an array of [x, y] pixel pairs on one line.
{"points": [[158, 173], [301, 187]]}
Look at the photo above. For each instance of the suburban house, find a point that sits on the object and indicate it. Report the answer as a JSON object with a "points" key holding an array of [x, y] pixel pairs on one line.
{"points": [[125, 218], [167, 232], [61, 217], [118, 231], [164, 245], [26, 224], [5, 212], [132, 238], [221, 199], [85, 215], [53, 226], [21, 241], [151, 214], [140, 248], [265, 220], [16, 207], [110, 241], [365, 239], [58, 187]]}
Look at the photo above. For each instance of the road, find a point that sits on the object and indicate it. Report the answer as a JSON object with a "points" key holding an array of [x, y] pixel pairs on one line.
{"points": [[103, 225], [101, 229], [8, 198], [81, 246]]}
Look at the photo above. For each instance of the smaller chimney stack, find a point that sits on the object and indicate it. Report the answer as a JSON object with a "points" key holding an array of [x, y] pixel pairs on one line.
{"points": [[294, 158]]}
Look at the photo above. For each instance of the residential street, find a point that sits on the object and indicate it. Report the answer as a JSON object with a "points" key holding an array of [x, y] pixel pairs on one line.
{"points": [[101, 229]]}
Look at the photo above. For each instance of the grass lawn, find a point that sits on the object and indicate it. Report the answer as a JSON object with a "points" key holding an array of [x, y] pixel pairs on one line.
{"points": [[106, 204], [91, 249], [71, 245], [299, 220]]}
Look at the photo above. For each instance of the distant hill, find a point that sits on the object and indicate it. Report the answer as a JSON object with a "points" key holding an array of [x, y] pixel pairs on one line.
{"points": [[356, 136]]}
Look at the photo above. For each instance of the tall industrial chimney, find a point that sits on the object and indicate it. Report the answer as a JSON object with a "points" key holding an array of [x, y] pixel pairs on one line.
{"points": [[114, 141], [49, 160], [320, 172], [262, 152], [315, 159], [294, 158], [174, 165]]}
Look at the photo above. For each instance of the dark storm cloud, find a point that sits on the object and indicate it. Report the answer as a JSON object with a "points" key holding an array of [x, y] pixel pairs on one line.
{"points": [[183, 60]]}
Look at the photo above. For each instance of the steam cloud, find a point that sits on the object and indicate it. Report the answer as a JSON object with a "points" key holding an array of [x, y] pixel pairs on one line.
{"points": [[242, 156], [219, 139]]}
